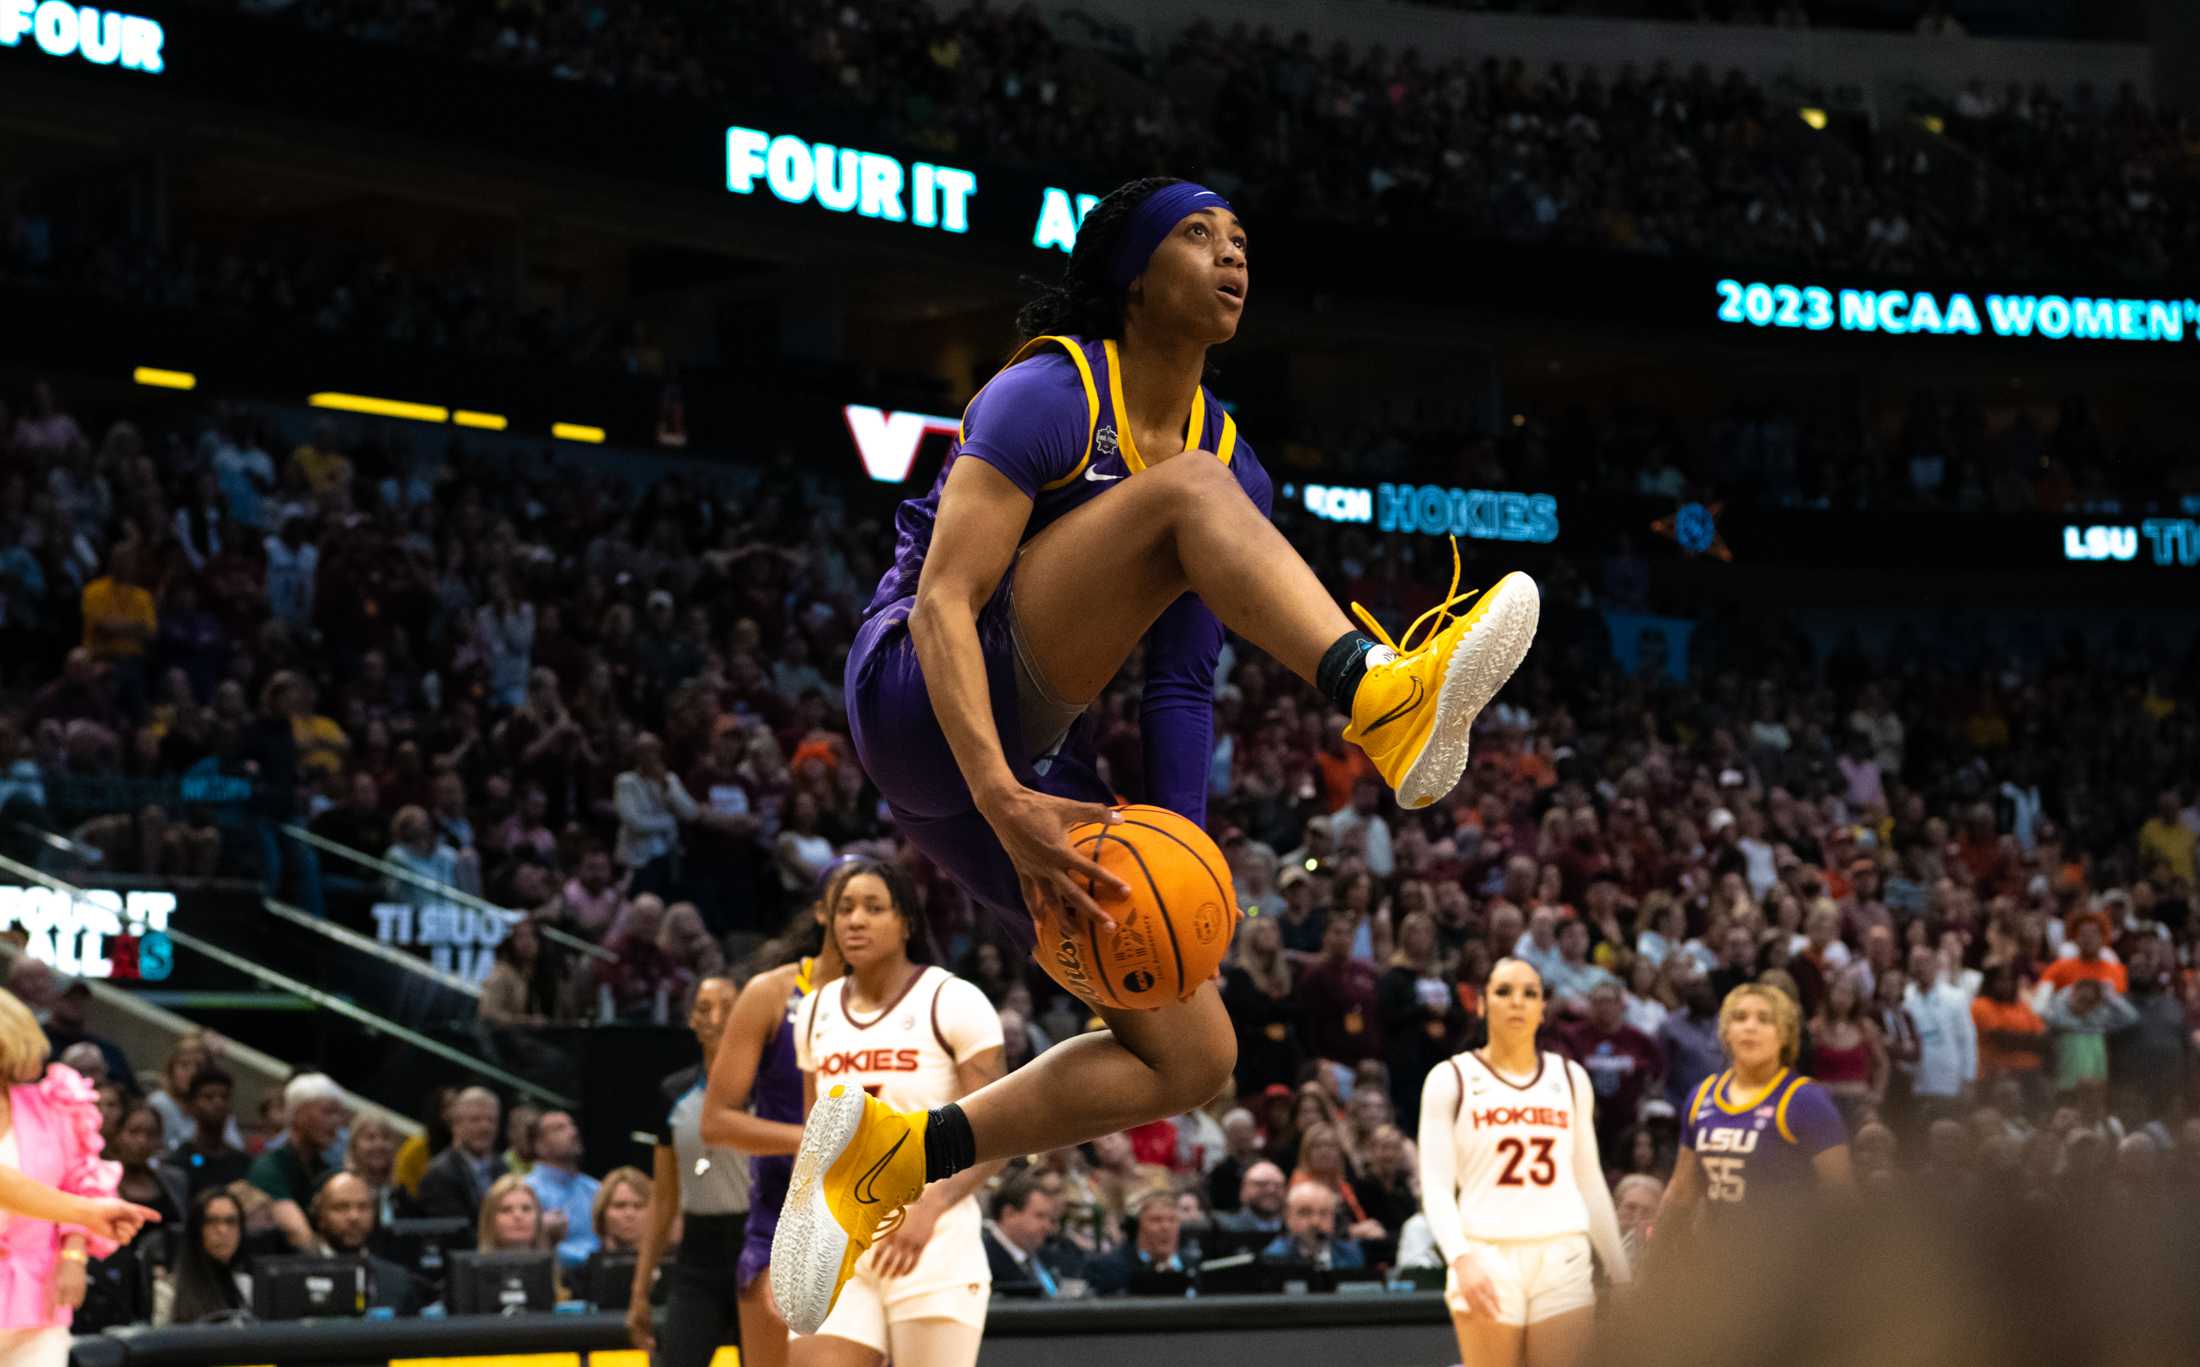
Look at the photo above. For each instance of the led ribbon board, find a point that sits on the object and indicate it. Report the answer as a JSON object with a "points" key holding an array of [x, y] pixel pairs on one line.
{"points": [[2167, 541], [1956, 313], [845, 181], [101, 37], [1433, 510]]}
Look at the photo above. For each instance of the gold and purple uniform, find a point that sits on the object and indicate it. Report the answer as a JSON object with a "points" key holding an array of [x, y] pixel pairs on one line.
{"points": [[1763, 1145], [1053, 423]]}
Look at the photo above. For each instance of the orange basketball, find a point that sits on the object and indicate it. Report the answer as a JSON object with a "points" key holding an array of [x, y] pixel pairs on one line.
{"points": [[1173, 929]]}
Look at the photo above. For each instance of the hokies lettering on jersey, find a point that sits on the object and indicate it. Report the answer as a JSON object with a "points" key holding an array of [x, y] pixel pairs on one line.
{"points": [[1549, 1116], [868, 1061], [899, 1053], [1514, 1151]]}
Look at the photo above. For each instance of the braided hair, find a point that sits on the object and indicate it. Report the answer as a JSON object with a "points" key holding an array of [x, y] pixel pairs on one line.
{"points": [[1083, 303]]}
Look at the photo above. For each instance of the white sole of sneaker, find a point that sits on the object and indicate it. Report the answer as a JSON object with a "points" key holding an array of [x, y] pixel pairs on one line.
{"points": [[1480, 663], [810, 1245]]}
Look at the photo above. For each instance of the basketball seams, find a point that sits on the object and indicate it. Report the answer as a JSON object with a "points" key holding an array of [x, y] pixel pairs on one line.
{"points": [[1100, 974], [1160, 904], [1092, 842], [1228, 899]]}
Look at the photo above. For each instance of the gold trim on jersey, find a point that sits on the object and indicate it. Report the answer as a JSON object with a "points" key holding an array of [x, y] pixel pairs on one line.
{"points": [[1225, 444], [1192, 430], [1719, 1091], [1084, 375], [1780, 1116]]}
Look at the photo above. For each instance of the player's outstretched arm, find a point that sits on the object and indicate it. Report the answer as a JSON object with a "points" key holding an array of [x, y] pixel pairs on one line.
{"points": [[1589, 1175]]}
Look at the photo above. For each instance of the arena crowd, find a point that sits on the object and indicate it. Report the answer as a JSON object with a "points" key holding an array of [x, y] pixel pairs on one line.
{"points": [[615, 707]]}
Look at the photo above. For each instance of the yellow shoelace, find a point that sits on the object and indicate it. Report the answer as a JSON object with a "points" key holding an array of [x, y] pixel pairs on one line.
{"points": [[1442, 612]]}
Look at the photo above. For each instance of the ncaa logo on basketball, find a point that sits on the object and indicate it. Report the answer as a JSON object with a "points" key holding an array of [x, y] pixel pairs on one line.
{"points": [[1138, 980], [1103, 441], [1128, 941]]}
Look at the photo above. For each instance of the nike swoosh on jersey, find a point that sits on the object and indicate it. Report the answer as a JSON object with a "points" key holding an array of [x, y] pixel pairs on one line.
{"points": [[1095, 476], [868, 1182]]}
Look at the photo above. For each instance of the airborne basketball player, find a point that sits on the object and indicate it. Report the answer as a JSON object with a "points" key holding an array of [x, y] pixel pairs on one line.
{"points": [[1097, 500]]}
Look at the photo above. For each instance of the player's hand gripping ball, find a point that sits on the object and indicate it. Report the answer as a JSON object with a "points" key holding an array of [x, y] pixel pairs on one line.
{"points": [[1172, 930]]}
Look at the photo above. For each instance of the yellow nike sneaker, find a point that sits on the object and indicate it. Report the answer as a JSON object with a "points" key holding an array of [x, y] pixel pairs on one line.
{"points": [[860, 1162], [1413, 712]]}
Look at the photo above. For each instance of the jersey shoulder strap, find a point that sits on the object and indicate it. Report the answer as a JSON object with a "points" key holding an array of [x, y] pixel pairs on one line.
{"points": [[939, 989], [1780, 1113], [1227, 441], [1566, 1067], [815, 1002], [1084, 374], [1459, 1102]]}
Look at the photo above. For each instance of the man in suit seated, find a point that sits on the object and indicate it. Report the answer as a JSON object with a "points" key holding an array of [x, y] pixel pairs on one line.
{"points": [[1310, 1233], [343, 1222], [1155, 1261], [1019, 1239], [1259, 1216], [456, 1181]]}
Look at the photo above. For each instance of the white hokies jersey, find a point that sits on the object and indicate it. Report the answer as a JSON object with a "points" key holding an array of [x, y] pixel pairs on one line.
{"points": [[905, 1055], [1514, 1143]]}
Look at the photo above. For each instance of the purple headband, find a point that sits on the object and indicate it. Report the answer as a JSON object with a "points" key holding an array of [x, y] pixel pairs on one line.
{"points": [[1152, 222]]}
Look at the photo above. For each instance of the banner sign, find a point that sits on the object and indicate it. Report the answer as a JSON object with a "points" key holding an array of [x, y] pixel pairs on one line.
{"points": [[100, 934], [458, 940]]}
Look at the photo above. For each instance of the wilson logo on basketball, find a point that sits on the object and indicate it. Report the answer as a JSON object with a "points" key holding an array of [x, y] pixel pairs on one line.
{"points": [[1207, 922], [1072, 963], [869, 1061]]}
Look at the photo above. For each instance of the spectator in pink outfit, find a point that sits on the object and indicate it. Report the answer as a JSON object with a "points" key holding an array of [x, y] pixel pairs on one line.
{"points": [[51, 1134]]}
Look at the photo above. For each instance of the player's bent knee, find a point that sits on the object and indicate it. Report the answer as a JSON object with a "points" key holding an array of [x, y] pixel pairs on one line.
{"points": [[1197, 1078]]}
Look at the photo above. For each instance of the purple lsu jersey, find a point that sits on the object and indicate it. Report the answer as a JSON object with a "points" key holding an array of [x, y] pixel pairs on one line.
{"points": [[1763, 1145], [775, 1094], [1052, 421]]}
